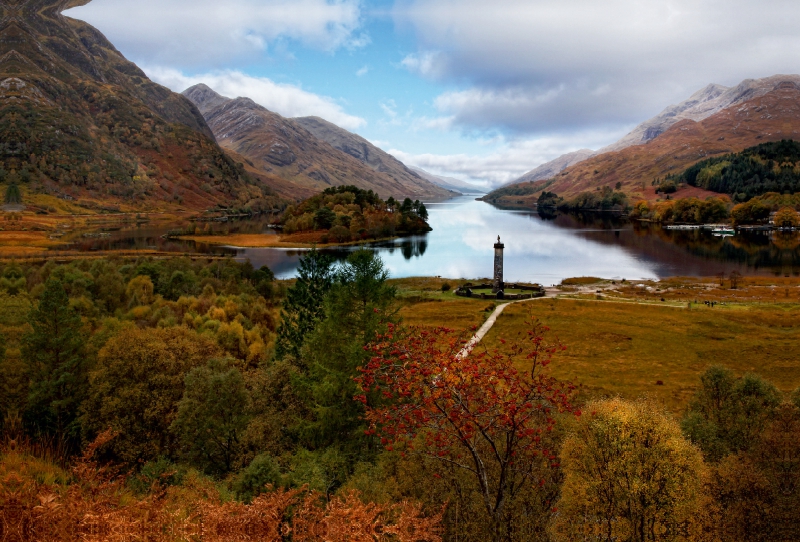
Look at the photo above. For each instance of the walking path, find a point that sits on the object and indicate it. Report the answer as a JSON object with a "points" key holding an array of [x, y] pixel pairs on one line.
{"points": [[489, 323], [550, 293]]}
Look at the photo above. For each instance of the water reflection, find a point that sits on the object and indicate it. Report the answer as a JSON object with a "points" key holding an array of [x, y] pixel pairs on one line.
{"points": [[538, 249]]}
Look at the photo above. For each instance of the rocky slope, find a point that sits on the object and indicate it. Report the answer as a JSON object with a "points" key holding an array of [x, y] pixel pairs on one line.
{"points": [[309, 152], [78, 120], [701, 105], [772, 116]]}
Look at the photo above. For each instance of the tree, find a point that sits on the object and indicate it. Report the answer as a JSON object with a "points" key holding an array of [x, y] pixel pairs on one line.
{"points": [[726, 415], [423, 212], [304, 303], [324, 219], [137, 385], [786, 218], [357, 308], [492, 415], [13, 195], [212, 415], [56, 366], [628, 475]]}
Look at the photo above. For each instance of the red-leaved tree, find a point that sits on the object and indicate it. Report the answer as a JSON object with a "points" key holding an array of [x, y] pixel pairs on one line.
{"points": [[491, 414]]}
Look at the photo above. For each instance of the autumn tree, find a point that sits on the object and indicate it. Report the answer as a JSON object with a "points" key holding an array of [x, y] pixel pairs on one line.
{"points": [[489, 414], [727, 414], [136, 388], [629, 475], [786, 218], [303, 307], [212, 415], [56, 365]]}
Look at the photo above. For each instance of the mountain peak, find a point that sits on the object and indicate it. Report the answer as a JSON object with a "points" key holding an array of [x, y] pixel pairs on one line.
{"points": [[204, 97]]}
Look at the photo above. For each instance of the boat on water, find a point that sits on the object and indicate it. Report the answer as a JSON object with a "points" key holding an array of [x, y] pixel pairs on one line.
{"points": [[723, 231]]}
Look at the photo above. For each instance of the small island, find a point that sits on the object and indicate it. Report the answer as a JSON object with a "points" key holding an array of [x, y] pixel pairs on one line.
{"points": [[340, 215]]}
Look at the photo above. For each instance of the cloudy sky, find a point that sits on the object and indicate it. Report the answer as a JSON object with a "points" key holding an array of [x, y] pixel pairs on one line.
{"points": [[482, 91]]}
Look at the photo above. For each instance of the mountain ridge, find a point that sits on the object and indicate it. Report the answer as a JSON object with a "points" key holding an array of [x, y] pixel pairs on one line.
{"points": [[702, 104], [772, 116], [285, 148]]}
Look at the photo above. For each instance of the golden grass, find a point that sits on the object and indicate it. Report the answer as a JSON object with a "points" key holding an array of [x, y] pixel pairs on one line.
{"points": [[628, 341], [626, 348]]}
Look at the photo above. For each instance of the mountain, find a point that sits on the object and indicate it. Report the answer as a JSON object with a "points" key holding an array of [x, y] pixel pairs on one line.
{"points": [[292, 149], [699, 106], [771, 116], [554, 167], [449, 183], [79, 121]]}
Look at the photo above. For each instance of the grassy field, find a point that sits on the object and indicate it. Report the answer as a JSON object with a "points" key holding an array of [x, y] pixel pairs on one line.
{"points": [[628, 341]]}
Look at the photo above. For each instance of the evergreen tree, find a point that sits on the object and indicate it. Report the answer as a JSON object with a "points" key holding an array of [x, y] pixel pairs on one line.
{"points": [[13, 195], [53, 354], [304, 303], [423, 212], [358, 307]]}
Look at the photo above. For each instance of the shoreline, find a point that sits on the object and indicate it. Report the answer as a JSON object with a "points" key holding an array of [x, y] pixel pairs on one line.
{"points": [[261, 240]]}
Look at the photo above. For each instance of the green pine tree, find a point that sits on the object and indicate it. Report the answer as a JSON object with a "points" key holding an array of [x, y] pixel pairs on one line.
{"points": [[304, 303], [358, 307], [53, 353], [13, 195]]}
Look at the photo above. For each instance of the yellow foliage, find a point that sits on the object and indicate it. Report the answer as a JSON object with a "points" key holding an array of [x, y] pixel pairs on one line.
{"points": [[629, 475], [140, 291]]}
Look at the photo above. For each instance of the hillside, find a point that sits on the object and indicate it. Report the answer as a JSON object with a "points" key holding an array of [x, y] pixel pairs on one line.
{"points": [[79, 121], [287, 149], [699, 106], [771, 117], [554, 167], [449, 183], [769, 167]]}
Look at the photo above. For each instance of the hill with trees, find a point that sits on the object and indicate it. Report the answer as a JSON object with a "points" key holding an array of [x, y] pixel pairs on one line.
{"points": [[769, 167], [347, 213]]}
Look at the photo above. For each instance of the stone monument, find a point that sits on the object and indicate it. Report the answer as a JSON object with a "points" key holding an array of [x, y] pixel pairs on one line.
{"points": [[498, 267]]}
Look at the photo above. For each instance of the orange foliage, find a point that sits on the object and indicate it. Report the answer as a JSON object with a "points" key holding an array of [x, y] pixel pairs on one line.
{"points": [[95, 506]]}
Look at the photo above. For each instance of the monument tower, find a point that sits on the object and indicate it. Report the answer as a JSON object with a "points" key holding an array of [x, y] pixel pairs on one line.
{"points": [[498, 267]]}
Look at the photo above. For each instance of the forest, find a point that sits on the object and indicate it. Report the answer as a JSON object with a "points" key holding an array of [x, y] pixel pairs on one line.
{"points": [[166, 398], [348, 213], [769, 167]]}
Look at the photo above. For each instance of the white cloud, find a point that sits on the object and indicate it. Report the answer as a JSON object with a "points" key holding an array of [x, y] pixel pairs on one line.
{"points": [[532, 66], [202, 32], [507, 160], [363, 71], [287, 100]]}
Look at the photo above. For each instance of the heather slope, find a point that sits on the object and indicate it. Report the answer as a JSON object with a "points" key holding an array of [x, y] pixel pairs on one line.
{"points": [[79, 121], [771, 117]]}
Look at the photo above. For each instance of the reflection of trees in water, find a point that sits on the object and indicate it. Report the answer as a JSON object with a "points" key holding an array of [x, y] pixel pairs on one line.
{"points": [[412, 248], [760, 250]]}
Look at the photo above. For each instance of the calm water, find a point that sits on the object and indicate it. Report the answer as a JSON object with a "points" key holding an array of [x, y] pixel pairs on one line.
{"points": [[547, 251], [537, 249]]}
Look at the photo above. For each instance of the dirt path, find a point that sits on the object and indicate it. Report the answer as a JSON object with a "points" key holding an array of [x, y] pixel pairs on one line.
{"points": [[489, 323], [550, 293]]}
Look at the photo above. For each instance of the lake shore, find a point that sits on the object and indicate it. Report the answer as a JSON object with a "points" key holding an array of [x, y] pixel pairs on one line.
{"points": [[266, 240]]}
